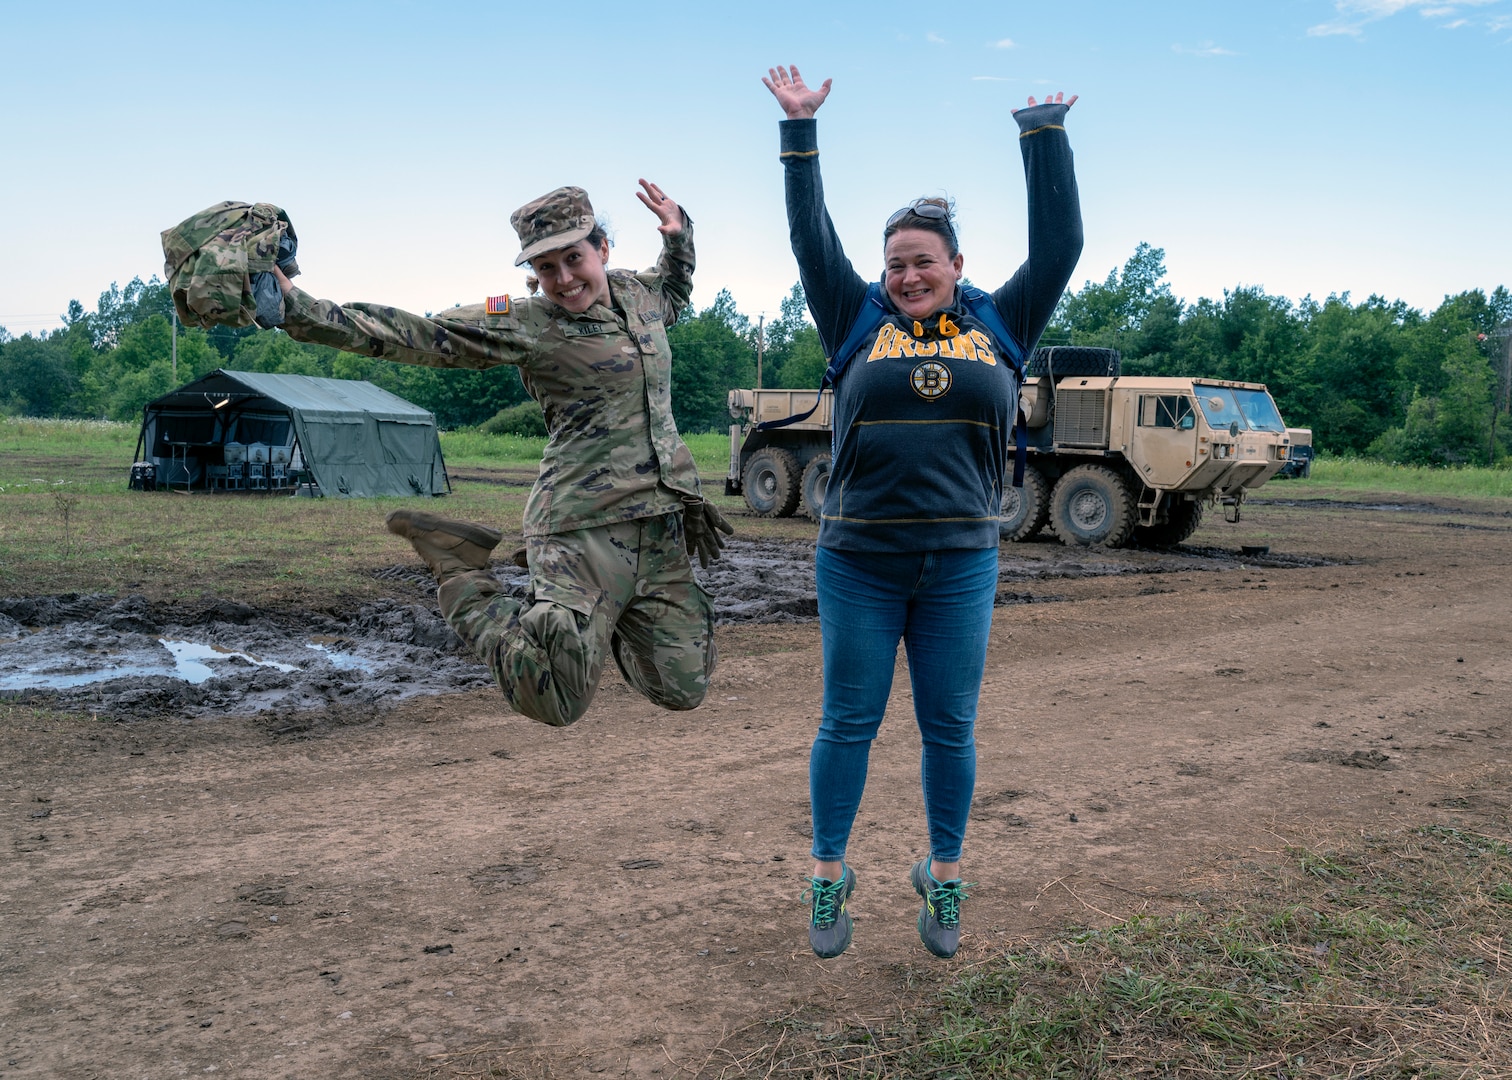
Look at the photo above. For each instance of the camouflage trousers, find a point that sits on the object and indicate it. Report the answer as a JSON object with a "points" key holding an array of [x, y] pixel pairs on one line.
{"points": [[624, 590]]}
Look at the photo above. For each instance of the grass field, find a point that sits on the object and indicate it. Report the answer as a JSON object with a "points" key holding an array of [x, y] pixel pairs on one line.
{"points": [[1361, 474], [473, 448], [69, 524]]}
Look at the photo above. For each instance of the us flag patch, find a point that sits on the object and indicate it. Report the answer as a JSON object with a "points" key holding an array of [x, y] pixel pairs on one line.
{"points": [[497, 305]]}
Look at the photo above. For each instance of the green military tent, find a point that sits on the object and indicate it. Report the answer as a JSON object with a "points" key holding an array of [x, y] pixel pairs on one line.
{"points": [[249, 431]]}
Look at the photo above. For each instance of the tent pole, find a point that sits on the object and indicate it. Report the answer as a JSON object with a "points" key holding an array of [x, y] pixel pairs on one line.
{"points": [[136, 455]]}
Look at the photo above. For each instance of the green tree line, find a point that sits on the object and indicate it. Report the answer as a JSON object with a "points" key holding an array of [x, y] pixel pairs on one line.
{"points": [[1377, 378], [110, 362]]}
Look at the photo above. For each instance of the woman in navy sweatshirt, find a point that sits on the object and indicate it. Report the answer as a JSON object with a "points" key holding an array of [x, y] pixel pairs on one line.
{"points": [[908, 538]]}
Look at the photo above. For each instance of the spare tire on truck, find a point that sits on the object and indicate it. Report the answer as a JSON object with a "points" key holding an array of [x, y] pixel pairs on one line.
{"points": [[770, 483], [1064, 361]]}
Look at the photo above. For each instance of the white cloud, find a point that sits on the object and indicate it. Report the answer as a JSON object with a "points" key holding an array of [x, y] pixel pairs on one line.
{"points": [[1207, 48], [934, 38], [1352, 16], [1005, 43], [1455, 25]]}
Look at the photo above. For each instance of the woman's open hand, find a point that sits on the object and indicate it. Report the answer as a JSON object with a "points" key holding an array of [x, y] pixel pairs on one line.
{"points": [[1052, 99], [796, 99], [670, 214]]}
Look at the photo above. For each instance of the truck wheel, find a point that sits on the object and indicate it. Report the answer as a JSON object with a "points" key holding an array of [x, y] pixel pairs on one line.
{"points": [[1025, 509], [1061, 361], [771, 483], [1091, 504], [816, 476], [1181, 522]]}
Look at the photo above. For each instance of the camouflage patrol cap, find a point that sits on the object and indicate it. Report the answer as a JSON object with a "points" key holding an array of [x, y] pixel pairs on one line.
{"points": [[556, 220]]}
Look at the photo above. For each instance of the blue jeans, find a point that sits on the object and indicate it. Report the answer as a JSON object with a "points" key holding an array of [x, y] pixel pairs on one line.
{"points": [[939, 603]]}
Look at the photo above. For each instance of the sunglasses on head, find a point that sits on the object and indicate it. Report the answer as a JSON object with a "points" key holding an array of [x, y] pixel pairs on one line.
{"points": [[920, 208]]}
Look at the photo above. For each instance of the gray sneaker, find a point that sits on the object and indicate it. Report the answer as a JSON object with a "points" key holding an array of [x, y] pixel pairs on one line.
{"points": [[940, 917], [830, 924]]}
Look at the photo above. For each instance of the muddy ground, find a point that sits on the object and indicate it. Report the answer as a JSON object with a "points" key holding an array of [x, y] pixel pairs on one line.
{"points": [[362, 867]]}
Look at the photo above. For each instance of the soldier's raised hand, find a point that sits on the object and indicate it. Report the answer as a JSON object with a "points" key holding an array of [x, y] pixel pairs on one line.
{"points": [[669, 212], [796, 99]]}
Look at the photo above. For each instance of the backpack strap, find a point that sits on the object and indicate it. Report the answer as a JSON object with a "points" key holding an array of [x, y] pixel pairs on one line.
{"points": [[869, 319], [985, 312]]}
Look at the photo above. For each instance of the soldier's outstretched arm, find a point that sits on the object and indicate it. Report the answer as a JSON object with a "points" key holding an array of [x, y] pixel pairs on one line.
{"points": [[674, 267], [469, 337]]}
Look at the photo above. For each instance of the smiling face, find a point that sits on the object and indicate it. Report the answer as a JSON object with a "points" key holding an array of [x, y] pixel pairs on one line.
{"points": [[921, 273], [575, 276]]}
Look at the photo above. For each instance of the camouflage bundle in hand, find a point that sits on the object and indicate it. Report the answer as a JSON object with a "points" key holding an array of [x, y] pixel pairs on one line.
{"points": [[220, 261]]}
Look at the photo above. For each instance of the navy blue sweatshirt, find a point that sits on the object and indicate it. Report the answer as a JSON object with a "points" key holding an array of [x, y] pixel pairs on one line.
{"points": [[922, 424]]}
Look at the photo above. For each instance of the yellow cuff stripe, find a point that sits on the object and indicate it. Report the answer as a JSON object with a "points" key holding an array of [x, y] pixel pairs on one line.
{"points": [[799, 153], [1047, 127]]}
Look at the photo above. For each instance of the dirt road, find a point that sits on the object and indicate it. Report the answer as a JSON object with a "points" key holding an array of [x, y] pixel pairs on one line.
{"points": [[445, 887]]}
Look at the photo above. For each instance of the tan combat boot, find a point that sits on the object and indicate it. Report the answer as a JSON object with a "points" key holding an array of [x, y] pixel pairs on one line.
{"points": [[448, 547]]}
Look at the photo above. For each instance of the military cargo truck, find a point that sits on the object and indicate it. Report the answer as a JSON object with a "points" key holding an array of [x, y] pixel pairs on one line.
{"points": [[1111, 458]]}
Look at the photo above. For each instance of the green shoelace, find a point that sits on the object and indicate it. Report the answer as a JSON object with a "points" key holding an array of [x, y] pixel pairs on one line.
{"points": [[945, 901], [826, 897]]}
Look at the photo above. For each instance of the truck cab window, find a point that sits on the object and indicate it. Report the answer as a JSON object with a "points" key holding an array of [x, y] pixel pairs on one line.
{"points": [[1167, 411]]}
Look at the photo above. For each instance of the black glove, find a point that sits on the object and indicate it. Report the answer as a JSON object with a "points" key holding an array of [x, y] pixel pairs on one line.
{"points": [[265, 291], [702, 524], [269, 299]]}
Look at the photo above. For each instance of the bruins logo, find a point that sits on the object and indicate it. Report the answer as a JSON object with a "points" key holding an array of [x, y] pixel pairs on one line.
{"points": [[930, 380]]}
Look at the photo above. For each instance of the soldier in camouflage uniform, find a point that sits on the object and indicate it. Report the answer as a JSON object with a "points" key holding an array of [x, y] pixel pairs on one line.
{"points": [[616, 508]]}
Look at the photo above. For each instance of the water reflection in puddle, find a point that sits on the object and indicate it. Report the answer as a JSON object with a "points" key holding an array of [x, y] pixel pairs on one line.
{"points": [[45, 677], [342, 661], [189, 660]]}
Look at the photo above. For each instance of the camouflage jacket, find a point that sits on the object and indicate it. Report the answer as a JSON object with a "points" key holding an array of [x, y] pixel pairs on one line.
{"points": [[603, 378], [213, 257]]}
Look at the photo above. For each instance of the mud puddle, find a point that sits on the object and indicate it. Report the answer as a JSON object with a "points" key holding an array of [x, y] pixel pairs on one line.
{"points": [[1047, 559], [773, 581], [127, 657]]}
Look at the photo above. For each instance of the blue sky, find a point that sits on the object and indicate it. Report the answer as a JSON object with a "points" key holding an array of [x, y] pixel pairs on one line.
{"points": [[1305, 146]]}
